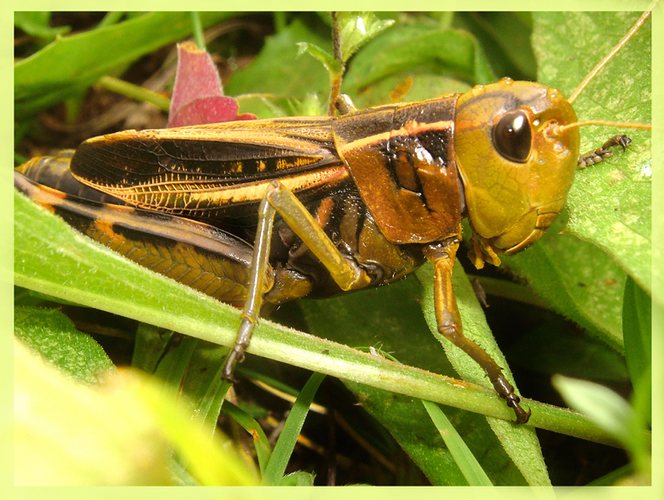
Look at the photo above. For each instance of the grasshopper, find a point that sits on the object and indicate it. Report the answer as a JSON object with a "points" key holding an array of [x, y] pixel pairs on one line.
{"points": [[258, 213]]}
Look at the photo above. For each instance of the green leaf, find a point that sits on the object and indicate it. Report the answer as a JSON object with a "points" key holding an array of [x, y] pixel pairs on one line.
{"points": [[604, 406], [54, 336], [149, 347], [193, 368], [72, 63], [637, 328], [356, 29], [609, 203], [277, 69], [576, 279], [505, 38], [413, 48], [328, 61], [261, 443], [612, 413], [582, 272], [409, 86], [299, 478]]}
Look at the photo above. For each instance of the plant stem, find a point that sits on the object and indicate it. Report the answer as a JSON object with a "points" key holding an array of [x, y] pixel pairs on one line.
{"points": [[336, 77], [197, 30], [133, 91]]}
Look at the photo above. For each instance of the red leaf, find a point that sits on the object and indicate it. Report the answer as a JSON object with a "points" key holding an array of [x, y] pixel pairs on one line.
{"points": [[197, 94]]}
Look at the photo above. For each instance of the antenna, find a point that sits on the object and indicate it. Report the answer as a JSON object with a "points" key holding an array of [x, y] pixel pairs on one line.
{"points": [[604, 123], [600, 65]]}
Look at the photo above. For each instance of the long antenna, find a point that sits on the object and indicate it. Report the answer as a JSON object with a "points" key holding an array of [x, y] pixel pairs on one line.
{"points": [[593, 72], [603, 123]]}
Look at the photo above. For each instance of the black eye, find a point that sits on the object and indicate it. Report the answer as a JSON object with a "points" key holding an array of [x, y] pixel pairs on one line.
{"points": [[511, 136]]}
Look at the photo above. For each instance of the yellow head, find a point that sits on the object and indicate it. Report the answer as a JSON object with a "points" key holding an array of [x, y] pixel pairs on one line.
{"points": [[516, 166]]}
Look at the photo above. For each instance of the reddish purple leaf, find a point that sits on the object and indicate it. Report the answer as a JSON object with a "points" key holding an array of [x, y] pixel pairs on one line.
{"points": [[197, 94]]}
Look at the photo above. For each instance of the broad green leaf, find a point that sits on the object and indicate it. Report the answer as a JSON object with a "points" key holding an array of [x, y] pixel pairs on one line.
{"points": [[591, 295], [409, 86], [610, 203], [414, 48], [278, 69], [505, 38], [582, 272], [54, 336], [70, 64]]}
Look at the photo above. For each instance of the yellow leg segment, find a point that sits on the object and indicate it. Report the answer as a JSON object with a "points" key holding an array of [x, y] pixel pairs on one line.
{"points": [[449, 324]]}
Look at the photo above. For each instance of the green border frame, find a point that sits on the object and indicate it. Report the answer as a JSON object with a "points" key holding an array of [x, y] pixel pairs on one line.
{"points": [[7, 490]]}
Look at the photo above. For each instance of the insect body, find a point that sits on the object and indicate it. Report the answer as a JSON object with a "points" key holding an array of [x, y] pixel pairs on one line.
{"points": [[257, 213], [386, 187]]}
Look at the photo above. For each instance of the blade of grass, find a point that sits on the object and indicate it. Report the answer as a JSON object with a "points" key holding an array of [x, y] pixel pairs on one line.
{"points": [[470, 467], [249, 424], [189, 366], [284, 446], [173, 366]]}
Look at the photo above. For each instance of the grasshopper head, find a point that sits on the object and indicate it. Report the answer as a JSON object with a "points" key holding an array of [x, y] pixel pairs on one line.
{"points": [[516, 166]]}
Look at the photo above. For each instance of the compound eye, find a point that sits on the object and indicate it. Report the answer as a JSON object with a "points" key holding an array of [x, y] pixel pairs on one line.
{"points": [[511, 136]]}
